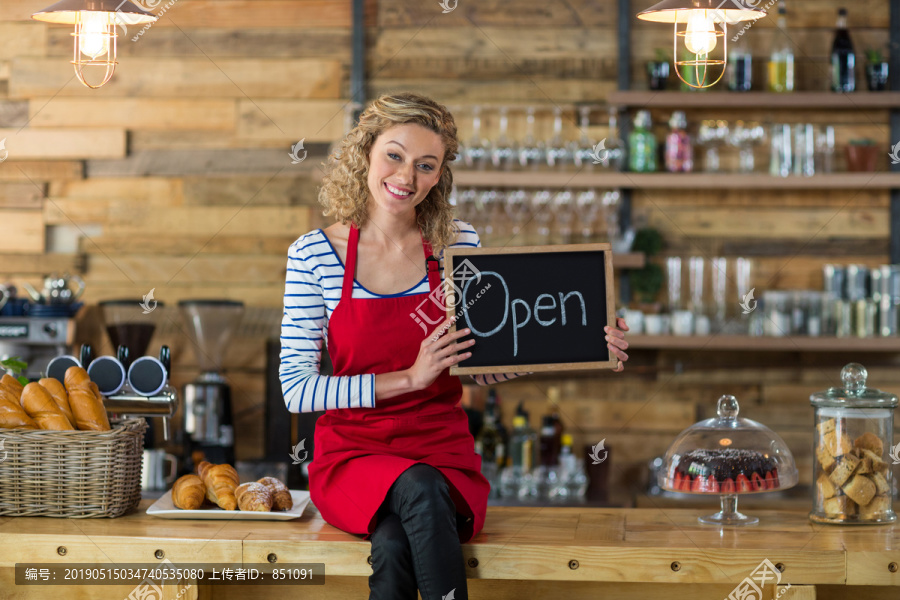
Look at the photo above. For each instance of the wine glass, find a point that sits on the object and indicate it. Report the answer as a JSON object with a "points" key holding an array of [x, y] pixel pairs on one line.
{"points": [[466, 200], [487, 203], [517, 207], [745, 137], [588, 209], [477, 151], [504, 154], [531, 151], [541, 201], [585, 156], [564, 207], [711, 135], [560, 154]]}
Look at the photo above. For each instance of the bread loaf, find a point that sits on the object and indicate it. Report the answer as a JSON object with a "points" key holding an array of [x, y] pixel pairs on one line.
{"points": [[59, 394], [76, 377], [12, 384], [188, 492], [39, 405], [253, 496], [281, 496]]}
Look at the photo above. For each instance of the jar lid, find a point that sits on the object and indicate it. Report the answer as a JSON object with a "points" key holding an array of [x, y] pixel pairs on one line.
{"points": [[854, 394]]}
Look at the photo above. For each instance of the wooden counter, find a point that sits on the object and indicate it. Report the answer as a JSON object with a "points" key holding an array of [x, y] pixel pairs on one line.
{"points": [[522, 552]]}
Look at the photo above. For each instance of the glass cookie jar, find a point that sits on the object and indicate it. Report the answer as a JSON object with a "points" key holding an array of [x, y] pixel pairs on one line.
{"points": [[852, 480]]}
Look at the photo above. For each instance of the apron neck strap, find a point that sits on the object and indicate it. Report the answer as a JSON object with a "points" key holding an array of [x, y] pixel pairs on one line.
{"points": [[432, 263]]}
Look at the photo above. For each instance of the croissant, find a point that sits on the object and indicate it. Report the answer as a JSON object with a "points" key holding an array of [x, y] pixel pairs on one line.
{"points": [[59, 394], [281, 496], [220, 481], [39, 405], [12, 415], [188, 492], [253, 496], [12, 384]]}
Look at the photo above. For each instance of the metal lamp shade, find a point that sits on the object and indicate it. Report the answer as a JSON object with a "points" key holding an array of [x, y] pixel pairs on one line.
{"points": [[66, 12], [723, 11]]}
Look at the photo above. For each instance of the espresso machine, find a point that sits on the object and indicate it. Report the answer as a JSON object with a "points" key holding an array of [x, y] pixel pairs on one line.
{"points": [[208, 420]]}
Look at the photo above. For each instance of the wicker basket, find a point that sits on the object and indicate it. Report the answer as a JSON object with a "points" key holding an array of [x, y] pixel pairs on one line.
{"points": [[77, 474]]}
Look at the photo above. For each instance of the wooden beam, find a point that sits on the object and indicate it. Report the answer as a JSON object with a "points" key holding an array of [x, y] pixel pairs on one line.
{"points": [[176, 163], [290, 121], [60, 144], [41, 170], [193, 114]]}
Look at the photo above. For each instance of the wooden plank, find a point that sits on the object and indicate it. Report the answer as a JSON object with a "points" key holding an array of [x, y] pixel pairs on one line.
{"points": [[183, 162], [333, 43], [529, 90], [771, 223], [201, 220], [21, 195], [67, 211], [64, 143], [41, 264], [608, 417], [153, 271], [251, 293], [146, 189], [23, 231], [42, 170], [290, 120], [194, 77], [13, 113], [23, 39], [265, 191], [180, 244], [496, 13], [134, 113]]}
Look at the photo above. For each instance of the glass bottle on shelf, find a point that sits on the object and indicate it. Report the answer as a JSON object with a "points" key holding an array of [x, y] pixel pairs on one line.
{"points": [[781, 61], [564, 210], [560, 153], [541, 201], [642, 145], [740, 66], [843, 59], [588, 209], [504, 154], [585, 157], [679, 152], [487, 441], [615, 149], [572, 479]]}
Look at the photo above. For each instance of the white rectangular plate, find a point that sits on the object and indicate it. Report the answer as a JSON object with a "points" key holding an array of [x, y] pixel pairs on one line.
{"points": [[166, 509]]}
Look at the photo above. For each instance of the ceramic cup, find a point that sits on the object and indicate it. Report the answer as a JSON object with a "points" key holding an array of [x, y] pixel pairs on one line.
{"points": [[701, 325], [635, 321], [653, 325], [682, 322]]}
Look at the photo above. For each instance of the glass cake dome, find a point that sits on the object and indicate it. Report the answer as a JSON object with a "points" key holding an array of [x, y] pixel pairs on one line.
{"points": [[728, 456]]}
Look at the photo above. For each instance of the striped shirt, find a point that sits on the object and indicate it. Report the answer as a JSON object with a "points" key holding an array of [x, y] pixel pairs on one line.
{"points": [[313, 284]]}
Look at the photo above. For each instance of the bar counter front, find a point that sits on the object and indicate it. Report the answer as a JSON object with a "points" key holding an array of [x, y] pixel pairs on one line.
{"points": [[523, 552]]}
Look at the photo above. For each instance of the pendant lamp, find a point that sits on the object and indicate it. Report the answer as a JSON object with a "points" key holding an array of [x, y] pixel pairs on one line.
{"points": [[95, 30], [699, 32]]}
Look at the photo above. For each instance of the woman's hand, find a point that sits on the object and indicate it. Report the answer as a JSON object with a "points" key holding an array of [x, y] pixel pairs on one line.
{"points": [[437, 352], [615, 339]]}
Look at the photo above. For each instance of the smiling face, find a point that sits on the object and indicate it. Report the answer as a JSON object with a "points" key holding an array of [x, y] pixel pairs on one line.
{"points": [[404, 164]]}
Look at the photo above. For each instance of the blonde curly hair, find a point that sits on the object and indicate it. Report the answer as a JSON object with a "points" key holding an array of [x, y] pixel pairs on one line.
{"points": [[345, 191]]}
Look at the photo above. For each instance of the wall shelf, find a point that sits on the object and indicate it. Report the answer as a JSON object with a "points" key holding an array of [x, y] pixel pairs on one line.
{"points": [[669, 181], [775, 344], [764, 100]]}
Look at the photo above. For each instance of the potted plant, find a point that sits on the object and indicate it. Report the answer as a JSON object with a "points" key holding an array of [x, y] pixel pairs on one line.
{"points": [[647, 281], [658, 71], [876, 71]]}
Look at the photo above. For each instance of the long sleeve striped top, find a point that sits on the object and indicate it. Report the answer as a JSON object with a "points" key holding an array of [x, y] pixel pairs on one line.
{"points": [[312, 291]]}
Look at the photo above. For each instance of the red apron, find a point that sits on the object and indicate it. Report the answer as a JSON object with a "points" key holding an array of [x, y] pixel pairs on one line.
{"points": [[360, 452]]}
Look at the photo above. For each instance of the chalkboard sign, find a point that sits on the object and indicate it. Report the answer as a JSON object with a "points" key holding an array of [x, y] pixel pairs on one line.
{"points": [[533, 308]]}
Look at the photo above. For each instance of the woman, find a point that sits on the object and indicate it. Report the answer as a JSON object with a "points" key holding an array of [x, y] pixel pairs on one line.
{"points": [[394, 460]]}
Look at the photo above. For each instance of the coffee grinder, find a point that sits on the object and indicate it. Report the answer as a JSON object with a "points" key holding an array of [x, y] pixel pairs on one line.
{"points": [[208, 425]]}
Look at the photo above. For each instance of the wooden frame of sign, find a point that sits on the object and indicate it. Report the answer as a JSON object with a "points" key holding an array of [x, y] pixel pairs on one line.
{"points": [[453, 257]]}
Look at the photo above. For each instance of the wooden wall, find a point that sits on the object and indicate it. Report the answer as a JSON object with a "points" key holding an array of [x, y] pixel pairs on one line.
{"points": [[176, 176]]}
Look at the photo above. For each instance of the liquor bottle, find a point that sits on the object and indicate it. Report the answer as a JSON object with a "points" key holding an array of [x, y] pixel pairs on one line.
{"points": [[679, 156], [843, 59], [486, 446], [642, 145], [740, 66], [781, 61], [572, 480], [615, 148]]}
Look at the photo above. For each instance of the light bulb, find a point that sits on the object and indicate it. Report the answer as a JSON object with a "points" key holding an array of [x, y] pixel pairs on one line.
{"points": [[700, 35], [94, 39]]}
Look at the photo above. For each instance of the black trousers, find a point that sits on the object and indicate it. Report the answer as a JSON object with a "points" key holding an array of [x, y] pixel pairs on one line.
{"points": [[416, 542]]}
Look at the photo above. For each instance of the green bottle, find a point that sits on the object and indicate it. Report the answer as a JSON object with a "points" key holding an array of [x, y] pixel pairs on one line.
{"points": [[642, 145]]}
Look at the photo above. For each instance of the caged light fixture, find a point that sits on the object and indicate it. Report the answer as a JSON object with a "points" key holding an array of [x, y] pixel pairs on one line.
{"points": [[698, 19], [95, 30]]}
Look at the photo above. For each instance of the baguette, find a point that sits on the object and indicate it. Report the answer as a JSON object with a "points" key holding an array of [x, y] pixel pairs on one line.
{"points": [[12, 415], [60, 396], [76, 377], [188, 492], [39, 405], [90, 414], [12, 384]]}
